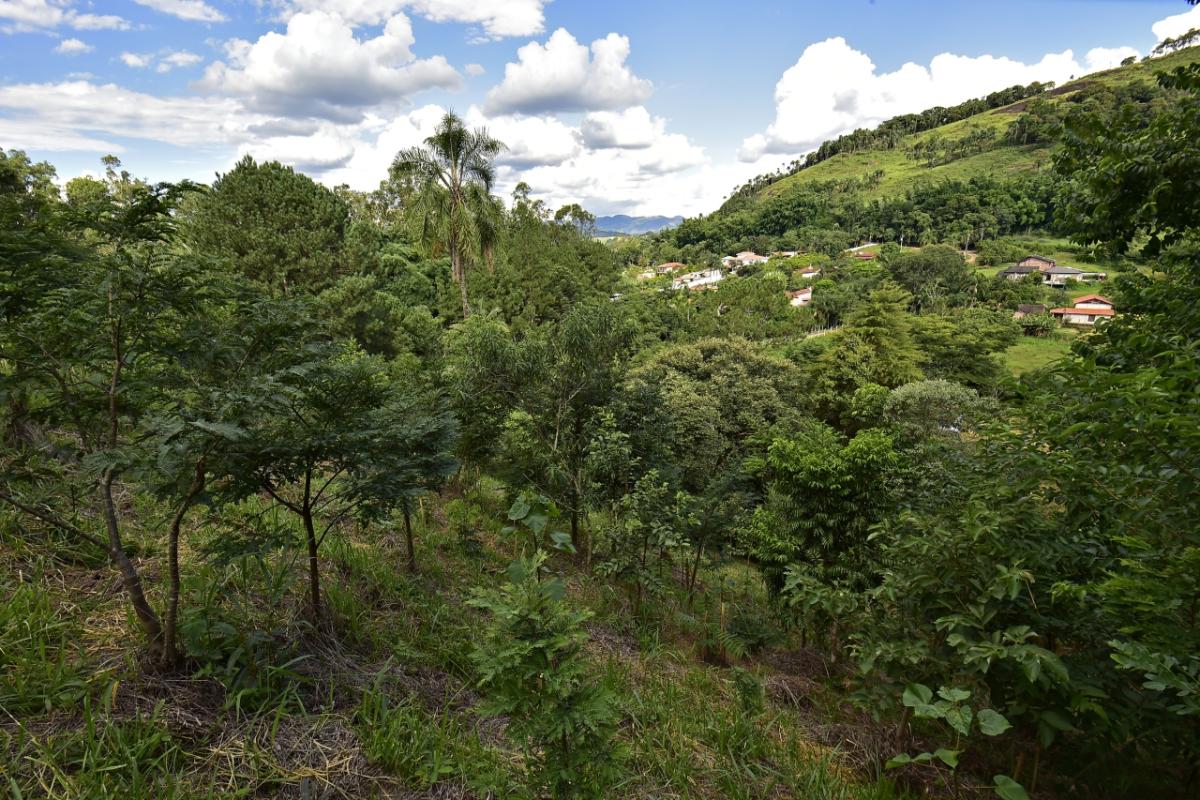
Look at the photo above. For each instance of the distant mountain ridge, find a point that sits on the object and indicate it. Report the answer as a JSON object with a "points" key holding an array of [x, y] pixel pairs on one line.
{"points": [[623, 223]]}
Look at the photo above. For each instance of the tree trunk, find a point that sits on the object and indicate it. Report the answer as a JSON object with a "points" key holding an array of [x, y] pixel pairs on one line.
{"points": [[130, 579], [170, 653], [408, 535], [575, 535], [459, 273], [691, 585], [314, 574]]}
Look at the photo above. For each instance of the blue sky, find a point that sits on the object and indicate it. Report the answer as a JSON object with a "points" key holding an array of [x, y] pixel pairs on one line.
{"points": [[624, 106]]}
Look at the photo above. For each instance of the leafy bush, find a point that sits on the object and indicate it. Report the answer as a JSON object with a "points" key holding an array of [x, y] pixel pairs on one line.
{"points": [[530, 662]]}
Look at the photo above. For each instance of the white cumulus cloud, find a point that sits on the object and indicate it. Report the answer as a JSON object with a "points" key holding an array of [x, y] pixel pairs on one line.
{"points": [[73, 47], [495, 18], [137, 60], [530, 141], [474, 70], [30, 15], [319, 68], [191, 10], [632, 128], [1099, 58], [1176, 24], [70, 115], [564, 75], [179, 58], [833, 88]]}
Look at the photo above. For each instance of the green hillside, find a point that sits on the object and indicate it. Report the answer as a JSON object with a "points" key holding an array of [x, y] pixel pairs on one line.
{"points": [[900, 171]]}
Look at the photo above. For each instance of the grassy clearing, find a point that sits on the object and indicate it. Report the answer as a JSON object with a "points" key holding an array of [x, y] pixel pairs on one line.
{"points": [[379, 700], [1035, 352]]}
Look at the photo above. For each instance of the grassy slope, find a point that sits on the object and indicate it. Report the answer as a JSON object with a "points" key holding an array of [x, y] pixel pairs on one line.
{"points": [[381, 701], [901, 172], [1032, 353]]}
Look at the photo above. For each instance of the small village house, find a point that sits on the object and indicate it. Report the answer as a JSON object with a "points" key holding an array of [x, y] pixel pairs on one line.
{"points": [[698, 280], [1052, 274], [808, 273], [743, 259], [800, 297], [1088, 310]]}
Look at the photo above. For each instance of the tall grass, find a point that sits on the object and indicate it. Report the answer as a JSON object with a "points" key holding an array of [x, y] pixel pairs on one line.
{"points": [[99, 759], [40, 666]]}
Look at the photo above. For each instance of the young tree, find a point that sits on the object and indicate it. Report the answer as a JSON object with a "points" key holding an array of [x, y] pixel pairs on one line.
{"points": [[452, 202], [530, 662], [90, 333], [546, 393], [645, 535], [697, 413], [343, 437], [184, 450], [823, 495]]}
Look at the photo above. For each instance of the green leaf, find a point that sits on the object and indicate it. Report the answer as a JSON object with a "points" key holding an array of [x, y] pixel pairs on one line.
{"points": [[537, 521], [959, 718], [517, 572], [898, 761], [220, 429], [916, 694], [947, 757], [555, 589], [992, 723], [1009, 789], [519, 509], [562, 541], [953, 695], [1057, 720]]}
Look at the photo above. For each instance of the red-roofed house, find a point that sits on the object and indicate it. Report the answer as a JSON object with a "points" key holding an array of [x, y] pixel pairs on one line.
{"points": [[1086, 311]]}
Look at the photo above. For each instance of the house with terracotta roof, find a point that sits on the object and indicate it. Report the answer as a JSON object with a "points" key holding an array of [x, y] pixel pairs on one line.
{"points": [[669, 266], [1087, 310], [808, 273], [800, 297]]}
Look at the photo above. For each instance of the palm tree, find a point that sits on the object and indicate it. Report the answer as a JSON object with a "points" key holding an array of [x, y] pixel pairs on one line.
{"points": [[451, 176]]}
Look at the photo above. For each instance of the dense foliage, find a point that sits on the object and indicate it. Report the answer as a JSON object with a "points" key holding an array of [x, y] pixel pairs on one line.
{"points": [[241, 396]]}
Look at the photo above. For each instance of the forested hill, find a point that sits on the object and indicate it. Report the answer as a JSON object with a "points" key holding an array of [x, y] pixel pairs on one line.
{"points": [[988, 173], [1009, 132]]}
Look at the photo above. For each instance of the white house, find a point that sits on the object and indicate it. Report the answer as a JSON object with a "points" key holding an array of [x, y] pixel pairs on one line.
{"points": [[808, 273], [1086, 311], [742, 259], [800, 297], [1052, 273], [696, 280], [1058, 276]]}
